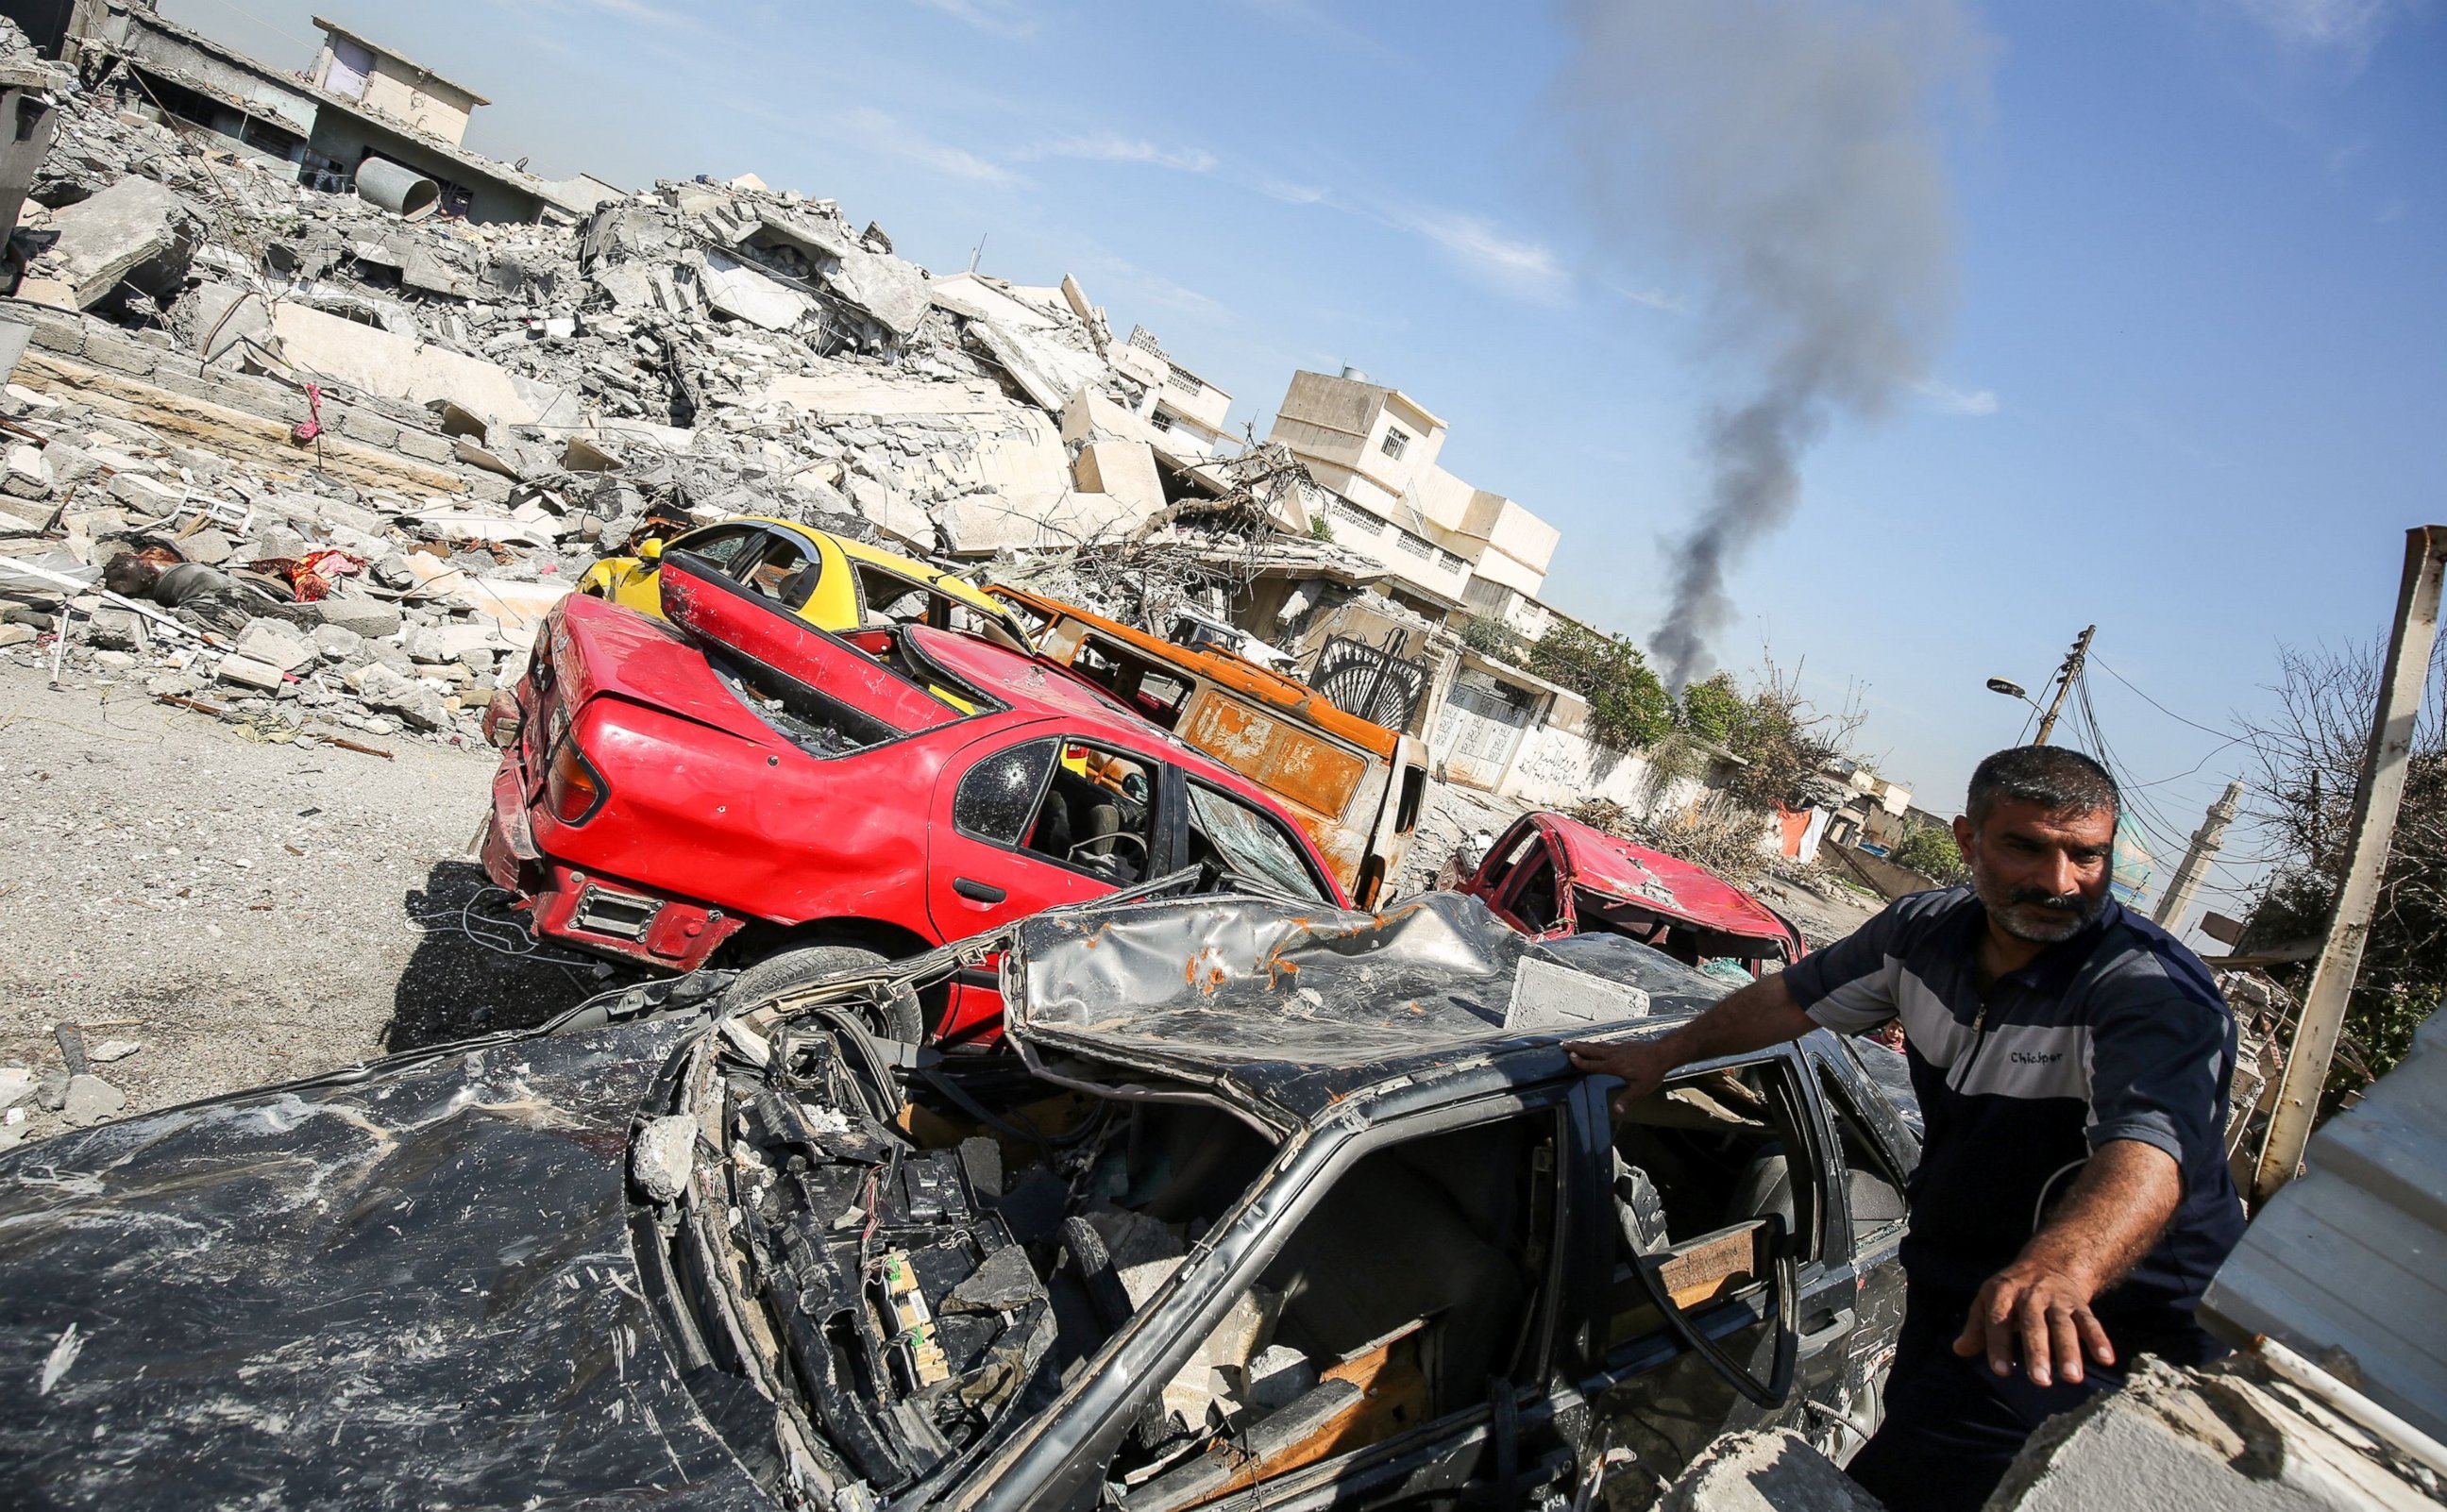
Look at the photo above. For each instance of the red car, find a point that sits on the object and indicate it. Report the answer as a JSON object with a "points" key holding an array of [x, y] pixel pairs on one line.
{"points": [[1552, 875], [740, 788]]}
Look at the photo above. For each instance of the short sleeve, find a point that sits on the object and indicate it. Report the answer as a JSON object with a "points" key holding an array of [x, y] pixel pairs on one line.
{"points": [[1850, 986], [2158, 1073]]}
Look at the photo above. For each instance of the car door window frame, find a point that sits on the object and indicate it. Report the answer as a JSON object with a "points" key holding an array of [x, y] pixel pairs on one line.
{"points": [[1318, 879], [1036, 802], [1617, 1362], [1826, 1065], [1056, 1458], [1158, 801]]}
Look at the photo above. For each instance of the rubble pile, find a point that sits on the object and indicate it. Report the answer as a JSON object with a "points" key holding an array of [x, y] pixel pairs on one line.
{"points": [[232, 371]]}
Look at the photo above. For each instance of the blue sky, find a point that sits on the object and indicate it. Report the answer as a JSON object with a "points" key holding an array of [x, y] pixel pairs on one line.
{"points": [[2194, 390]]}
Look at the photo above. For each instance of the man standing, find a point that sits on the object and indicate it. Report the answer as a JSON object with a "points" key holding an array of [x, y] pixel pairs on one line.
{"points": [[2072, 1063]]}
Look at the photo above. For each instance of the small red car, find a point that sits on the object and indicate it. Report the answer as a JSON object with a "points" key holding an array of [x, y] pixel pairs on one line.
{"points": [[1551, 874], [741, 787]]}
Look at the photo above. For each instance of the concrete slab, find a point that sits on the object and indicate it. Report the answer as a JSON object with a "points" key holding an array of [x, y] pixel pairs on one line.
{"points": [[377, 362], [137, 229], [1123, 471], [859, 393], [891, 291], [740, 291]]}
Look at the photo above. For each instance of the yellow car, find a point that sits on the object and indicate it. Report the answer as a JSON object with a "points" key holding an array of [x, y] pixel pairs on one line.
{"points": [[831, 583]]}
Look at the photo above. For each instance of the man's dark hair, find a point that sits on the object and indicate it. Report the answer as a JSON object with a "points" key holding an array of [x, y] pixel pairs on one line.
{"points": [[2055, 777]]}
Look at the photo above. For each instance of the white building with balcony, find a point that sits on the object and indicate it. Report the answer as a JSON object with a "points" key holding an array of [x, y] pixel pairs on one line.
{"points": [[1450, 546]]}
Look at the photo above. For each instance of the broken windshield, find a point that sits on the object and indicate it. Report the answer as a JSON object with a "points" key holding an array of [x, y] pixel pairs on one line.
{"points": [[1242, 842]]}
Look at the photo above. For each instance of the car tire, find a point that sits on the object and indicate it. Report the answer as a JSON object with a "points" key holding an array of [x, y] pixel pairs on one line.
{"points": [[808, 964]]}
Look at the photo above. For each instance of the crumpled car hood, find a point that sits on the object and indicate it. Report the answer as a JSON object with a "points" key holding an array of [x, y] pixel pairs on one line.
{"points": [[411, 1289]]}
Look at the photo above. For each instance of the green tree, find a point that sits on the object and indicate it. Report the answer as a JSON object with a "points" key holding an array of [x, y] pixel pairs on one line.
{"points": [[1929, 849], [1629, 707], [1710, 708], [1491, 638]]}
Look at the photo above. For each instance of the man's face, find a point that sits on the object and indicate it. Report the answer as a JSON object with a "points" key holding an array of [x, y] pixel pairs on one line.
{"points": [[2043, 873]]}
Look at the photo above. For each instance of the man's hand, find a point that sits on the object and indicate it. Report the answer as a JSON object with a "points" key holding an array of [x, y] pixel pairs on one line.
{"points": [[2044, 1311], [2041, 1303], [1761, 1014], [1643, 1064]]}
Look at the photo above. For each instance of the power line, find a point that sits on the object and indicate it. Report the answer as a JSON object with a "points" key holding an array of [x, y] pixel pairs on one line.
{"points": [[2159, 706]]}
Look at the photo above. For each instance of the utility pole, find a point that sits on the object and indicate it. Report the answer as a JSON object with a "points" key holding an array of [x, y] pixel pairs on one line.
{"points": [[2376, 797], [2206, 841], [2065, 678]]}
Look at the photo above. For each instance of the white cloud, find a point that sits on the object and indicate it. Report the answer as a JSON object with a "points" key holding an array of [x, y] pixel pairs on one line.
{"points": [[887, 134], [1524, 269], [1288, 192], [1004, 18], [1109, 146], [2342, 25], [1654, 299], [1947, 399]]}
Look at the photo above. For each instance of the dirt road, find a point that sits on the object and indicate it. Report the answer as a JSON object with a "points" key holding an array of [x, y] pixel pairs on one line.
{"points": [[247, 911]]}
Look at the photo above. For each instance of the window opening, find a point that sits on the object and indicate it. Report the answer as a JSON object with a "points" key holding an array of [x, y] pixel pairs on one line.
{"points": [[1396, 440], [1701, 1165], [1873, 1190], [1232, 839], [1098, 814], [1533, 900], [998, 797]]}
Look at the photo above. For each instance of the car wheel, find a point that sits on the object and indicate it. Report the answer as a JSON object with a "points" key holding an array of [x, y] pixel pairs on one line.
{"points": [[808, 964]]}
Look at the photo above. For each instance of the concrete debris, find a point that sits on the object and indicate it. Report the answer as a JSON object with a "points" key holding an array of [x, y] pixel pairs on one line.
{"points": [[136, 231], [113, 1050], [1765, 1470], [88, 1099], [2233, 1437], [660, 1159], [238, 368]]}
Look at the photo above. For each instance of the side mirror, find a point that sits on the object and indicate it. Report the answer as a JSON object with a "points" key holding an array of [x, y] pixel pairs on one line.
{"points": [[651, 553]]}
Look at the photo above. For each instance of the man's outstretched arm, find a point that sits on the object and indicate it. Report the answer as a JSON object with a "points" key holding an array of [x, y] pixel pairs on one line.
{"points": [[1759, 1015], [2041, 1303]]}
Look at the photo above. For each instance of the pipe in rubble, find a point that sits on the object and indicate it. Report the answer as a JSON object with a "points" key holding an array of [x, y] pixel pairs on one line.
{"points": [[402, 191]]}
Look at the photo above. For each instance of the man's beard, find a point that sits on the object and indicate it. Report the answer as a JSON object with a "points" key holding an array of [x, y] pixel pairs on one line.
{"points": [[2037, 915]]}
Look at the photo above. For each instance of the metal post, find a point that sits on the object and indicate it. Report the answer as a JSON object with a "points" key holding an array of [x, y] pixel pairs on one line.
{"points": [[2206, 841], [2376, 800], [2065, 678]]}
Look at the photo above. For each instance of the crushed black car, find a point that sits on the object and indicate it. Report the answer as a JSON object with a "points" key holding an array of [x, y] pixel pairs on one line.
{"points": [[1261, 1201]]}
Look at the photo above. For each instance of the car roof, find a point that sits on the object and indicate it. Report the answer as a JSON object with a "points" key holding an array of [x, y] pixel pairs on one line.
{"points": [[1292, 1012], [1678, 889], [891, 561], [1238, 674]]}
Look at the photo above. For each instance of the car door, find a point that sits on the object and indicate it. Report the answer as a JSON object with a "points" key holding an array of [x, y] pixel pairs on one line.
{"points": [[1873, 1153], [1012, 832], [1413, 1270], [1707, 1174]]}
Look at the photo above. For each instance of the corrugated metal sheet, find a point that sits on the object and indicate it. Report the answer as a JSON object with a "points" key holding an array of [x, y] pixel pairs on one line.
{"points": [[2352, 1256]]}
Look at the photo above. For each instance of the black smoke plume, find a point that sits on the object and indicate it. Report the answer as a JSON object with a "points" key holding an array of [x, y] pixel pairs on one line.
{"points": [[1786, 151]]}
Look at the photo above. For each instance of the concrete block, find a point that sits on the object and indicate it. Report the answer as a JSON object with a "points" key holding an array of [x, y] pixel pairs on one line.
{"points": [[108, 349], [137, 229], [67, 337], [275, 643], [371, 430], [402, 367], [740, 291], [891, 291], [424, 446], [1123, 471], [370, 618], [1764, 1471], [248, 673], [215, 317]]}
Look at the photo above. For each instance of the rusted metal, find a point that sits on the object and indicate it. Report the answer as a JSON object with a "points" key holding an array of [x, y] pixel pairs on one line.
{"points": [[1339, 776]]}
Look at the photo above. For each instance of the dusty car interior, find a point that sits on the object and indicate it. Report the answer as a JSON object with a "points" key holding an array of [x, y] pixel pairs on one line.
{"points": [[917, 1258], [922, 1268]]}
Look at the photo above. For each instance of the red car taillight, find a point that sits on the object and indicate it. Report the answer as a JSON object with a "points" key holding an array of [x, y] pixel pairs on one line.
{"points": [[501, 719], [572, 789]]}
